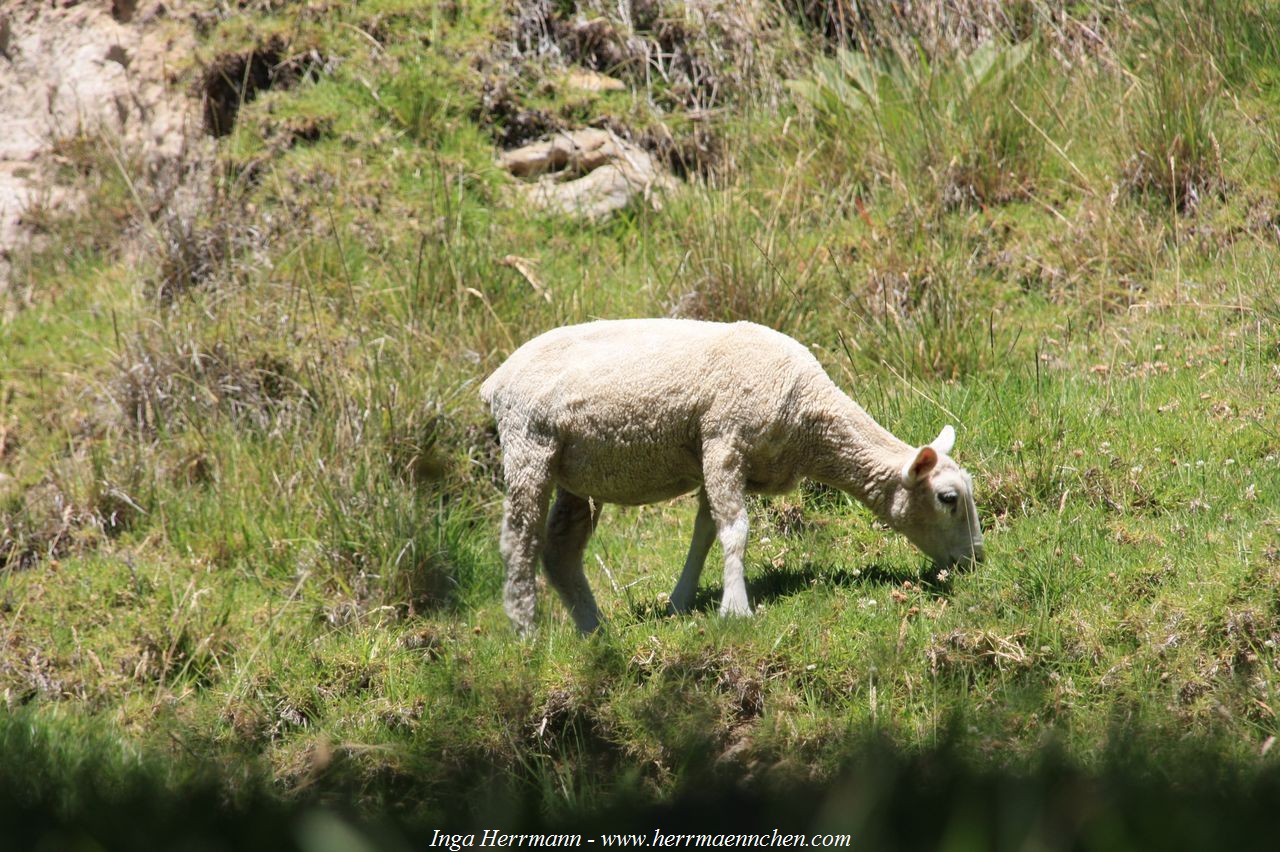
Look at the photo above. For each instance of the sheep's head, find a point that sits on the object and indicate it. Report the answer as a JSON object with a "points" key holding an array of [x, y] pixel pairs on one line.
{"points": [[934, 507]]}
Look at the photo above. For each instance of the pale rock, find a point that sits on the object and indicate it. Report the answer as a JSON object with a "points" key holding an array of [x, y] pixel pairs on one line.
{"points": [[588, 173]]}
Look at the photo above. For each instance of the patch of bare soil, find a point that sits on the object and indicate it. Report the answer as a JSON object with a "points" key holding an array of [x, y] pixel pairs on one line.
{"points": [[103, 69]]}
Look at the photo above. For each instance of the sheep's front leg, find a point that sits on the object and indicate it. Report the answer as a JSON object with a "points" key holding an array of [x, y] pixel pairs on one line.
{"points": [[704, 533], [572, 521], [524, 521], [725, 486]]}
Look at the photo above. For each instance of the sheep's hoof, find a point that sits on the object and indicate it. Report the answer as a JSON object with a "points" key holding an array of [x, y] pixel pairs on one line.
{"points": [[736, 609]]}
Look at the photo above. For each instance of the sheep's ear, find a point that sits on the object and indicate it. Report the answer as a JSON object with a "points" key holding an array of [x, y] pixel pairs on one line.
{"points": [[918, 468], [945, 441]]}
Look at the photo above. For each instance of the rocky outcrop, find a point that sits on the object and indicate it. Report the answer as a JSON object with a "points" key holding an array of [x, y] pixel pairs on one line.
{"points": [[100, 69], [588, 173]]}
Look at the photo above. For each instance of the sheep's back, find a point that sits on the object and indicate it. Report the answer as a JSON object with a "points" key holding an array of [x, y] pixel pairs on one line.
{"points": [[642, 375], [629, 405], [617, 360]]}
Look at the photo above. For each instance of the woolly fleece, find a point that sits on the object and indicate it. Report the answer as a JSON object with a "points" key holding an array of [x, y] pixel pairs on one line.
{"points": [[638, 411]]}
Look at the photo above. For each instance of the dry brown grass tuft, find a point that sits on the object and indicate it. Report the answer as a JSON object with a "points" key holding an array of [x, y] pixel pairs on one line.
{"points": [[970, 649]]}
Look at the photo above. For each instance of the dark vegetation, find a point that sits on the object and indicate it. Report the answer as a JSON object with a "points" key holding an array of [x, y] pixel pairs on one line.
{"points": [[882, 797]]}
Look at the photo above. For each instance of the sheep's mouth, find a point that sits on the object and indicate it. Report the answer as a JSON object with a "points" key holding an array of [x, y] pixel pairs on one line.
{"points": [[966, 559]]}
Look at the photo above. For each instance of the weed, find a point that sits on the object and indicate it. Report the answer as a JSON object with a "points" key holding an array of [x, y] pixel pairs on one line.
{"points": [[915, 314], [728, 274], [1238, 39], [1177, 157], [949, 129]]}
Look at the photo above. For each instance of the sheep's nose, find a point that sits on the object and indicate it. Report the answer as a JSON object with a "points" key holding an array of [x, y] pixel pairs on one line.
{"points": [[973, 555]]}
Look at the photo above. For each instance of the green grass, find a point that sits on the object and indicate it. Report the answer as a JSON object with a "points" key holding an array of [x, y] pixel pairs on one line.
{"points": [[249, 494]]}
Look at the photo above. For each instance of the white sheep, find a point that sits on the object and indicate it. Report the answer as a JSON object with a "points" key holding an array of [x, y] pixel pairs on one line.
{"points": [[642, 410]]}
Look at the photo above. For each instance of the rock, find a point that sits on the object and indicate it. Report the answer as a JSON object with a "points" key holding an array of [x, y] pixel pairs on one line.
{"points": [[577, 151], [93, 69], [588, 173]]}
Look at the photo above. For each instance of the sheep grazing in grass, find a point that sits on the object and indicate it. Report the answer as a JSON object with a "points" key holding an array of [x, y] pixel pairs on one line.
{"points": [[637, 411]]}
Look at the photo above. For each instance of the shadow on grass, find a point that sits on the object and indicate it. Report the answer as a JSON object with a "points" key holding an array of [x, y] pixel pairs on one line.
{"points": [[773, 584]]}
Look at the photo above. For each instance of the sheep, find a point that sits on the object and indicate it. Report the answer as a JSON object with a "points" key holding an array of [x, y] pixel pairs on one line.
{"points": [[642, 410]]}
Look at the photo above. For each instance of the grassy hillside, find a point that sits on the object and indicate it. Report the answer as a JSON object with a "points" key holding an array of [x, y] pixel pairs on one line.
{"points": [[250, 496]]}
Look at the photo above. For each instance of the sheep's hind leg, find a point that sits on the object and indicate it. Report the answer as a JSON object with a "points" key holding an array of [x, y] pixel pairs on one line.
{"points": [[726, 493], [704, 533], [524, 520], [572, 521]]}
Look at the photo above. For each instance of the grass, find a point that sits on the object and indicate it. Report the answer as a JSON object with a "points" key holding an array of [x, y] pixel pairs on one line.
{"points": [[250, 497], [950, 130]]}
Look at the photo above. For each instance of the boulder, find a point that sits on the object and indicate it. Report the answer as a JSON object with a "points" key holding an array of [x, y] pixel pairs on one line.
{"points": [[588, 173]]}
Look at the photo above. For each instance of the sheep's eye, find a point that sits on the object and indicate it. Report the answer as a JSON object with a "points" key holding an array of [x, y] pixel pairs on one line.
{"points": [[949, 498]]}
